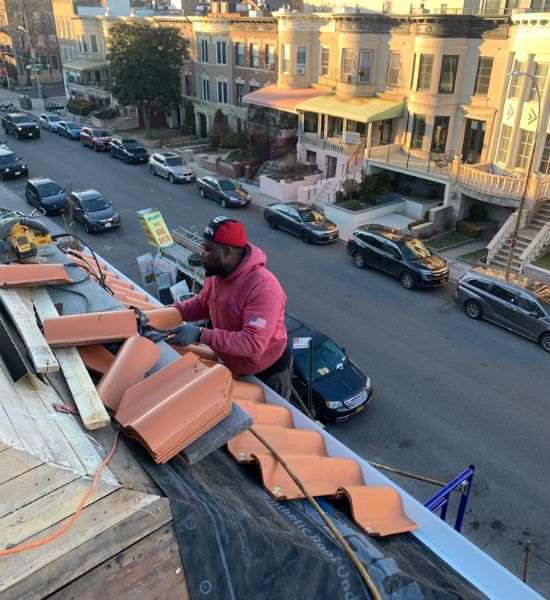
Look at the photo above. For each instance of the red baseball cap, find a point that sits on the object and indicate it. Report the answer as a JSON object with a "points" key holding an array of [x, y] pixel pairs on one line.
{"points": [[226, 231]]}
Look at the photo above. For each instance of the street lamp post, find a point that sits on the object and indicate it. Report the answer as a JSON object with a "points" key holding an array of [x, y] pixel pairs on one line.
{"points": [[521, 204], [33, 58]]}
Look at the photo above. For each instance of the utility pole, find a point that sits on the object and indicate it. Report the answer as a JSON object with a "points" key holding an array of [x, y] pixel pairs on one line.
{"points": [[33, 55]]}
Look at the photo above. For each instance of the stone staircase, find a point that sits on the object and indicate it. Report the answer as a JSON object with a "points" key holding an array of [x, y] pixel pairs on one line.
{"points": [[525, 237], [269, 167]]}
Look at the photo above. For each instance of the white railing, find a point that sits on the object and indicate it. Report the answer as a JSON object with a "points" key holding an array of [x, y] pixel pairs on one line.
{"points": [[500, 238], [542, 191], [534, 249], [414, 160], [311, 139], [490, 183]]}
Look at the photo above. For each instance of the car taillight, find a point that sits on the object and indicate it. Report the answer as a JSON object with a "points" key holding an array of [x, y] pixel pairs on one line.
{"points": [[350, 239]]}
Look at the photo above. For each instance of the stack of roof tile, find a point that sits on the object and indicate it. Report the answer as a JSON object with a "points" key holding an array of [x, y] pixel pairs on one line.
{"points": [[378, 510], [176, 405]]}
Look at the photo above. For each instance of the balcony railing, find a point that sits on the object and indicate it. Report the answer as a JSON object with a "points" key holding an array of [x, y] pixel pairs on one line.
{"points": [[96, 83], [477, 178], [88, 90], [331, 144], [417, 160]]}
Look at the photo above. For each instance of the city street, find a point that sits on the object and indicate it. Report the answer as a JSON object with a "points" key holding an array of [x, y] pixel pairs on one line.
{"points": [[449, 391]]}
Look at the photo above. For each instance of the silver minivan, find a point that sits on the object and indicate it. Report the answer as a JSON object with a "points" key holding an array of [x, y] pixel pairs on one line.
{"points": [[520, 304]]}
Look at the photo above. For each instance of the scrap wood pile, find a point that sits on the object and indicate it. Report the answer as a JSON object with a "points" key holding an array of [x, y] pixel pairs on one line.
{"points": [[172, 407]]}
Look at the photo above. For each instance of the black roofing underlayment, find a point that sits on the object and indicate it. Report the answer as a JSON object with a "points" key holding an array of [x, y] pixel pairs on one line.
{"points": [[238, 543]]}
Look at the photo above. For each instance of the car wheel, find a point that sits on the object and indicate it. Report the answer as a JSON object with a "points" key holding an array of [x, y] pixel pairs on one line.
{"points": [[359, 259], [473, 309], [201, 192], [306, 237], [408, 280], [94, 147], [87, 227], [152, 170], [16, 135], [271, 223], [544, 341], [126, 159], [171, 178], [223, 202]]}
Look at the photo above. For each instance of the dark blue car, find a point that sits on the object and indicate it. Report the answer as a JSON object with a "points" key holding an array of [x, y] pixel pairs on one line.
{"points": [[69, 129], [339, 388]]}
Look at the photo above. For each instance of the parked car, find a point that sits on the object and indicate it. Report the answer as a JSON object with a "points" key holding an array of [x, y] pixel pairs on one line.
{"points": [[46, 194], [519, 303], [225, 191], [20, 125], [129, 150], [11, 165], [398, 254], [98, 139], [69, 129], [93, 211], [170, 165], [339, 388], [301, 220], [49, 121]]}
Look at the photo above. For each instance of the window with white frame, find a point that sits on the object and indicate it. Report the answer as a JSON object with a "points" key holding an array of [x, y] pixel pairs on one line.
{"points": [[254, 86], [84, 44], [544, 166], [54, 61], [254, 55], [93, 42], [301, 60], [483, 75], [346, 66], [325, 61], [541, 75], [203, 51], [285, 58], [239, 54], [394, 64], [205, 89], [269, 54], [418, 131], [221, 53], [525, 147], [365, 66], [425, 69], [222, 92], [239, 89], [447, 77], [504, 143], [517, 81]]}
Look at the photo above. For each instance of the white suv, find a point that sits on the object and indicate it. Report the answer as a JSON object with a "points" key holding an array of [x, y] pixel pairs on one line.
{"points": [[170, 165]]}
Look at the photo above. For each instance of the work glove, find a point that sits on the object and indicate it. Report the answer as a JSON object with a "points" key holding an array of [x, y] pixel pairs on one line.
{"points": [[185, 334]]}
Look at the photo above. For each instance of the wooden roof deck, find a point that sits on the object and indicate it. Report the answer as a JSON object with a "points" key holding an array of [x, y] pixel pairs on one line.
{"points": [[121, 545]]}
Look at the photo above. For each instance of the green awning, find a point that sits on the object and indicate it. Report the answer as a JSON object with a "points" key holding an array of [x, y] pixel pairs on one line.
{"points": [[363, 110]]}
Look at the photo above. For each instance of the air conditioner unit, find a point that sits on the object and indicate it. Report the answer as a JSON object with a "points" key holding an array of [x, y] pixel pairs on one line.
{"points": [[269, 66], [300, 71]]}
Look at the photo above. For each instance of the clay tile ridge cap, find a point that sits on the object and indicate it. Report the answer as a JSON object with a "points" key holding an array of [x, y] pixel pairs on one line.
{"points": [[32, 275]]}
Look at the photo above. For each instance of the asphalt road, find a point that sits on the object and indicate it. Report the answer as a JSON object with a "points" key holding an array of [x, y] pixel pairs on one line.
{"points": [[449, 391]]}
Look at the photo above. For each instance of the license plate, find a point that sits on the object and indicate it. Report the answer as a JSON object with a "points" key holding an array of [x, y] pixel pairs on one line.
{"points": [[31, 134], [108, 225], [18, 172], [362, 407], [243, 202]]}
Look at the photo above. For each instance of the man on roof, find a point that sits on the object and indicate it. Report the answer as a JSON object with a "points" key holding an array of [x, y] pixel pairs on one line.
{"points": [[246, 305]]}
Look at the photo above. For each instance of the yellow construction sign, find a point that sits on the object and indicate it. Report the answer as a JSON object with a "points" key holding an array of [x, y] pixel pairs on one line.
{"points": [[155, 228]]}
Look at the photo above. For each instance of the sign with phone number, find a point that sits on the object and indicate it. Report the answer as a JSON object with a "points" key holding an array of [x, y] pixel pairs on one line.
{"points": [[155, 228]]}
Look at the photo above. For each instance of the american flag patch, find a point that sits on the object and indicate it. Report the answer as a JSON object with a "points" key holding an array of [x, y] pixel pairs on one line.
{"points": [[257, 322]]}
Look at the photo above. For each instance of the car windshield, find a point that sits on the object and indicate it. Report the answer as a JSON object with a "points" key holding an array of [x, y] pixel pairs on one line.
{"points": [[54, 118], [414, 249], [72, 125], [131, 144], [327, 358], [7, 158], [174, 162], [227, 185], [311, 215], [49, 189], [22, 119], [94, 204], [99, 133]]}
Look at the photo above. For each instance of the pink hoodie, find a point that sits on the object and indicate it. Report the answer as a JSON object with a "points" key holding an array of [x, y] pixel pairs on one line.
{"points": [[247, 309]]}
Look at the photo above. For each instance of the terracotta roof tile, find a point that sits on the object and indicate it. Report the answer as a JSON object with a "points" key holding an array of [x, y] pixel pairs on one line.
{"points": [[166, 317], [96, 357], [15, 275], [267, 414]]}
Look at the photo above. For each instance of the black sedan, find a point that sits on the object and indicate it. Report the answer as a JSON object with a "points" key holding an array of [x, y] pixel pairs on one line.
{"points": [[46, 194], [225, 191], [91, 209], [129, 150], [301, 220], [339, 388], [11, 165]]}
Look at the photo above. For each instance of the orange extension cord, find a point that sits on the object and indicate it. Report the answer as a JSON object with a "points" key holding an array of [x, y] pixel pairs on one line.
{"points": [[60, 532]]}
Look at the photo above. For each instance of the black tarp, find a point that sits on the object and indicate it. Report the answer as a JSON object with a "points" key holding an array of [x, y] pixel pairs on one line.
{"points": [[237, 542]]}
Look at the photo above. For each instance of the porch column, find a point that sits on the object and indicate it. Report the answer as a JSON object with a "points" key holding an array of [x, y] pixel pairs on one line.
{"points": [[344, 128], [300, 123], [325, 133], [319, 124], [369, 134]]}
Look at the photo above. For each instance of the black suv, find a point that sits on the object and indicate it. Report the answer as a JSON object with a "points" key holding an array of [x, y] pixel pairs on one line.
{"points": [[91, 209], [46, 194], [398, 254], [20, 125], [130, 151], [11, 165]]}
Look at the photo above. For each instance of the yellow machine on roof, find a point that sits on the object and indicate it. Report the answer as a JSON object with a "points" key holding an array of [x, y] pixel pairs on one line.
{"points": [[21, 236]]}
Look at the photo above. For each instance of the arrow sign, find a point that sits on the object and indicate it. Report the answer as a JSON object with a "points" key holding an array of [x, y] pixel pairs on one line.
{"points": [[531, 117]]}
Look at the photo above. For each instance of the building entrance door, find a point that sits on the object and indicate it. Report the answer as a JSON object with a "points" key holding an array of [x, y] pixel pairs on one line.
{"points": [[331, 166], [474, 135], [202, 128]]}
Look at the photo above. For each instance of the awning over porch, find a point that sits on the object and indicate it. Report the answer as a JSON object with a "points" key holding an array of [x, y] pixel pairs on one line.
{"points": [[86, 65], [363, 110], [281, 98]]}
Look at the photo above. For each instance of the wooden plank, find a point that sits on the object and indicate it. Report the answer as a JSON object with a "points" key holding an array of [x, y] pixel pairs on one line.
{"points": [[18, 303], [32, 519], [95, 537], [91, 409], [8, 435], [81, 443], [151, 568], [26, 424], [31, 485], [15, 462]]}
